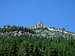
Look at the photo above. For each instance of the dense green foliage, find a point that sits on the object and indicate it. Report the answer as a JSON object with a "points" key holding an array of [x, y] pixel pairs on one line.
{"points": [[33, 45], [36, 46], [8, 28]]}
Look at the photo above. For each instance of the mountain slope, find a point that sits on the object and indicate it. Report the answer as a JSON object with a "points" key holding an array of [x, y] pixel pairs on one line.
{"points": [[38, 30]]}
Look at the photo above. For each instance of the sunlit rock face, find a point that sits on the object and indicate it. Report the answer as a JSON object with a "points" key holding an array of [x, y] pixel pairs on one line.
{"points": [[39, 25]]}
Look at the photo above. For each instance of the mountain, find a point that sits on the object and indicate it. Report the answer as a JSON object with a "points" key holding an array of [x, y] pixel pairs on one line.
{"points": [[37, 40], [42, 30], [38, 30]]}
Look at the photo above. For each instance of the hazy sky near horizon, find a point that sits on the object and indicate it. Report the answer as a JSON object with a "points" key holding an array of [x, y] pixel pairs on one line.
{"points": [[55, 13]]}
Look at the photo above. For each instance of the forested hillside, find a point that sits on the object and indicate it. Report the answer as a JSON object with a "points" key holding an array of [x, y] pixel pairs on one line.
{"points": [[35, 43]]}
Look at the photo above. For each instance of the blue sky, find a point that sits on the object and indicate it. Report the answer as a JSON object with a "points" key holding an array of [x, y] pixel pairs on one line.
{"points": [[55, 13]]}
